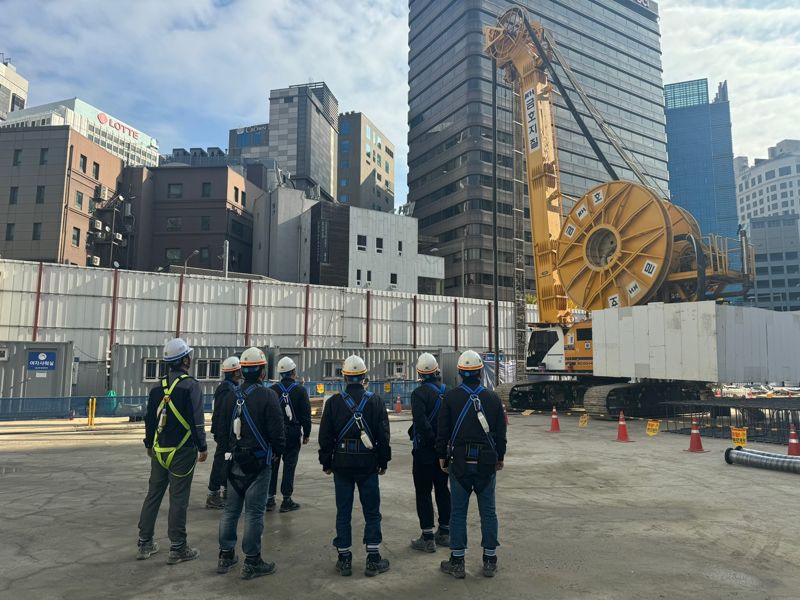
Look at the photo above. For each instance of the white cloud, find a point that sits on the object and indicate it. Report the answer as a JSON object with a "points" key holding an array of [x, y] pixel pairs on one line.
{"points": [[755, 45]]}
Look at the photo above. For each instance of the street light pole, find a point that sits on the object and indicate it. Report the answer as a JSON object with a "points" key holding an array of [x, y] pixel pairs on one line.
{"points": [[188, 258]]}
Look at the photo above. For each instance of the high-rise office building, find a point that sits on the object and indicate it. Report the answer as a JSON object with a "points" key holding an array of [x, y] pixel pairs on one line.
{"points": [[776, 244], [700, 148], [771, 186], [366, 164], [614, 49], [13, 88]]}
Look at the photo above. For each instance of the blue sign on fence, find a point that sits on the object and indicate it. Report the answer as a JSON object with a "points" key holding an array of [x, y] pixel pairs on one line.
{"points": [[41, 361]]}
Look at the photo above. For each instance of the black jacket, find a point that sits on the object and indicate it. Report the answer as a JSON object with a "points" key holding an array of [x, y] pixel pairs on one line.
{"points": [[225, 386], [264, 409], [336, 415], [471, 431], [188, 400], [300, 425], [423, 401]]}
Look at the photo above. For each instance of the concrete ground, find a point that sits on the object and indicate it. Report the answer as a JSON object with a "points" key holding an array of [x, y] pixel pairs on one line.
{"points": [[581, 516]]}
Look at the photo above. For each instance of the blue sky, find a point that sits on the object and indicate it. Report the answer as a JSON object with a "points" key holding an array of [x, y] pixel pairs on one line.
{"points": [[187, 71]]}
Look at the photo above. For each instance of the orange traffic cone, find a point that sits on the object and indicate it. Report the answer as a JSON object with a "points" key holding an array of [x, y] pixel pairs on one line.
{"points": [[794, 444], [622, 429], [398, 408], [554, 426], [695, 443]]}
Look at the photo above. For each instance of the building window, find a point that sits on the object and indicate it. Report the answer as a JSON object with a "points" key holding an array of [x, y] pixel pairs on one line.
{"points": [[82, 163], [96, 170], [244, 199], [154, 369], [39, 194], [369, 132], [43, 156], [344, 164], [17, 157], [288, 99], [174, 223], [380, 177], [775, 255], [343, 182], [400, 248], [369, 278], [208, 368], [332, 369], [37, 231], [205, 223], [9, 232], [361, 243], [368, 150], [76, 237], [204, 254], [379, 245], [386, 166], [13, 194], [395, 369], [237, 228], [206, 193], [389, 152], [175, 190], [344, 146], [783, 171], [79, 200], [768, 175], [344, 128], [236, 195], [344, 198], [173, 255], [358, 277], [393, 279]]}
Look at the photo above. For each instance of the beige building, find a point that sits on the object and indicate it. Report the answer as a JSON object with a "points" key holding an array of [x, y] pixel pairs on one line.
{"points": [[51, 178], [366, 164], [13, 89]]}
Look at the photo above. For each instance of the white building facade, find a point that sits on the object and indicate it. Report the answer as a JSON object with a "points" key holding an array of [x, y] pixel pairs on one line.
{"points": [[771, 186]]}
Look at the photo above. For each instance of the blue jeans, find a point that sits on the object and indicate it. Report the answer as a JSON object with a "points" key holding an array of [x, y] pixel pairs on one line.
{"points": [[486, 506], [254, 502], [370, 495]]}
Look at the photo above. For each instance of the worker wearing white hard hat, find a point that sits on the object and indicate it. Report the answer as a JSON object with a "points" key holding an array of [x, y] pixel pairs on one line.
{"points": [[296, 409], [471, 444], [217, 480], [426, 402], [354, 446], [175, 439], [251, 415]]}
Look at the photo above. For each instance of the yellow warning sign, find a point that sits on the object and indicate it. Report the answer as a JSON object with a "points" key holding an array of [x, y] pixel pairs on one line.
{"points": [[583, 421], [387, 387], [320, 388], [739, 436], [653, 427], [527, 413]]}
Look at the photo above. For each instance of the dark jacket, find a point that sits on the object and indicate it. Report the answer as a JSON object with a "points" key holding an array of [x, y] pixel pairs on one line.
{"points": [[188, 400], [423, 401], [471, 431], [300, 425], [264, 409], [336, 415], [225, 386]]}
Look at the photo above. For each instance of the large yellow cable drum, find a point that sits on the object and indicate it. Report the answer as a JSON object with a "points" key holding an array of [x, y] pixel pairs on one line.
{"points": [[615, 247]]}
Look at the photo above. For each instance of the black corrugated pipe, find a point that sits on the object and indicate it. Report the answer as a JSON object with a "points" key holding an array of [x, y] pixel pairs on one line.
{"points": [[762, 460]]}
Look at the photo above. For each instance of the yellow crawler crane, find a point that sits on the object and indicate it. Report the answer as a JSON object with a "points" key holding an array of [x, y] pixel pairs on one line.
{"points": [[621, 244]]}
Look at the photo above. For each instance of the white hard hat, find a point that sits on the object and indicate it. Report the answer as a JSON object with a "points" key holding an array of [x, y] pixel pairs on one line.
{"points": [[286, 365], [231, 365], [253, 357], [470, 361], [354, 365], [176, 349], [426, 364]]}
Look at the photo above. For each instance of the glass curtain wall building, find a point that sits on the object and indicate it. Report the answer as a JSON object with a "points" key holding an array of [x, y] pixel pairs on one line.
{"points": [[614, 49]]}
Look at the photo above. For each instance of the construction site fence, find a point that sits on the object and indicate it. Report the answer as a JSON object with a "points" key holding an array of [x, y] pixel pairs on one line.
{"points": [[72, 407]]}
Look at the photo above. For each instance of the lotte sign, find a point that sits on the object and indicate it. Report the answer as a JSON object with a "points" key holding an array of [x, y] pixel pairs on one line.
{"points": [[114, 124]]}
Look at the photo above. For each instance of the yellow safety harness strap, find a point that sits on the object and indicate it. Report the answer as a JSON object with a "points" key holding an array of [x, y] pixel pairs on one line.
{"points": [[170, 452]]}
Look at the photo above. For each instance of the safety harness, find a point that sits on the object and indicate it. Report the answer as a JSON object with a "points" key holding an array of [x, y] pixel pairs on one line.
{"points": [[241, 483], [166, 403], [474, 402], [366, 438], [440, 388], [286, 400]]}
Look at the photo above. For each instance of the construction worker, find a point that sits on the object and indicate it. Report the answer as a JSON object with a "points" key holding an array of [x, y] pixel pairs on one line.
{"points": [[296, 409], [175, 439], [354, 446], [232, 376], [251, 415], [471, 443], [426, 402]]}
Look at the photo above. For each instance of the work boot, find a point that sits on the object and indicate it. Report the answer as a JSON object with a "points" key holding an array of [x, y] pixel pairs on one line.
{"points": [[489, 566], [344, 565], [257, 569], [182, 555], [376, 565], [424, 545], [288, 505], [454, 567], [146, 550], [442, 538], [215, 501], [270, 504], [226, 561]]}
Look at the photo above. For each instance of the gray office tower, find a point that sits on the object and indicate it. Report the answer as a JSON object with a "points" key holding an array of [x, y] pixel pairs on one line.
{"points": [[614, 49]]}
